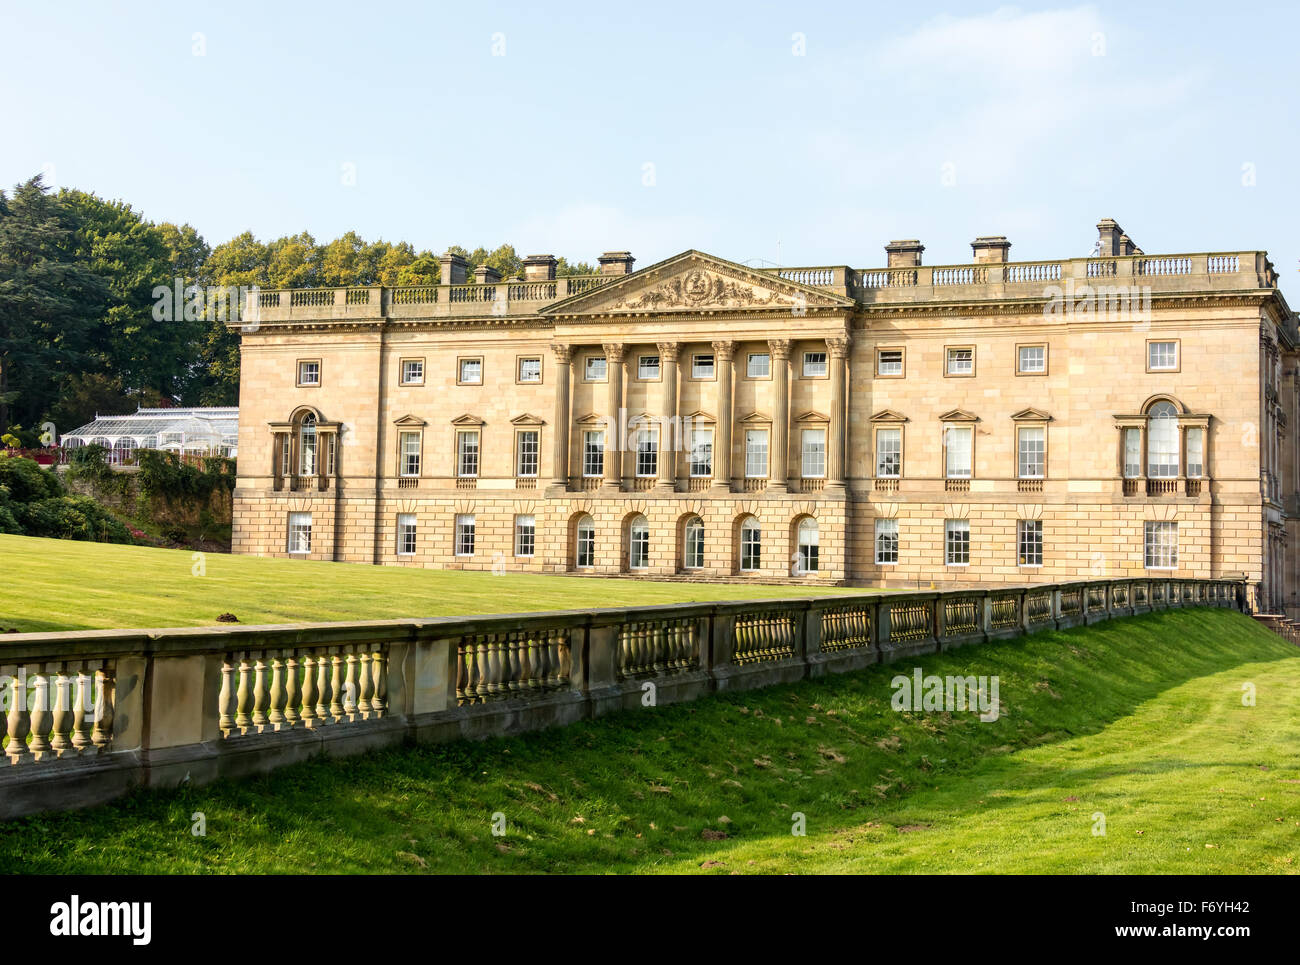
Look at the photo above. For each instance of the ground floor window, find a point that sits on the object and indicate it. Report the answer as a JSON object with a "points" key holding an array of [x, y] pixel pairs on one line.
{"points": [[525, 535], [1029, 542], [638, 548], [1161, 545], [586, 548], [300, 532], [956, 541], [887, 541], [751, 546], [807, 555], [406, 534], [464, 535], [694, 550]]}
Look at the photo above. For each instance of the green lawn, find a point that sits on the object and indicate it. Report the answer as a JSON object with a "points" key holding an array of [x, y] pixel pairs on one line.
{"points": [[67, 585], [1140, 719]]}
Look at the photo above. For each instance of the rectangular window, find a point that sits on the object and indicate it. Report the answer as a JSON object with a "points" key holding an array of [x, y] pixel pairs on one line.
{"points": [[530, 370], [1132, 453], [702, 366], [412, 371], [647, 452], [1029, 542], [1162, 356], [957, 451], [759, 366], [814, 453], [751, 548], [410, 452], [469, 371], [647, 367], [1195, 452], [593, 453], [1161, 545], [300, 532], [586, 549], [526, 451], [525, 535], [594, 370], [1031, 359], [1032, 452], [886, 541], [755, 453], [961, 361], [464, 536], [406, 534], [638, 550], [701, 452], [956, 541], [814, 365], [467, 454], [889, 361], [889, 453], [309, 372]]}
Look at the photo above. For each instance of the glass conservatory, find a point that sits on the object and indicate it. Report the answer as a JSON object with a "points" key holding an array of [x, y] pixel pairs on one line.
{"points": [[187, 432]]}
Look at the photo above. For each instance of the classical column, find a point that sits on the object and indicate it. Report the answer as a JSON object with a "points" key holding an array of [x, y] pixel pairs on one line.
{"points": [[668, 417], [837, 351], [614, 413], [780, 362], [560, 471], [723, 353]]}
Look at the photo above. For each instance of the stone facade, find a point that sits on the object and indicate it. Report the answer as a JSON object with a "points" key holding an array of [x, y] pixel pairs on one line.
{"points": [[1011, 422]]}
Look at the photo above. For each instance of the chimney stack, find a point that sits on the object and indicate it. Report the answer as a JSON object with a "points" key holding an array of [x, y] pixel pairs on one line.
{"points": [[454, 269], [486, 275], [991, 250], [904, 254], [1113, 240], [616, 263], [539, 267]]}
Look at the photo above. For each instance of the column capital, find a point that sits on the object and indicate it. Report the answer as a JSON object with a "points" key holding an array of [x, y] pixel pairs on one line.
{"points": [[669, 350], [838, 346], [779, 347], [725, 350], [614, 351], [563, 352]]}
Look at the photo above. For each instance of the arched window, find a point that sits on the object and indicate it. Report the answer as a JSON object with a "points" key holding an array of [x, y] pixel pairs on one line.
{"points": [[307, 446], [638, 544], [694, 544], [1162, 440], [751, 545], [585, 549], [807, 546]]}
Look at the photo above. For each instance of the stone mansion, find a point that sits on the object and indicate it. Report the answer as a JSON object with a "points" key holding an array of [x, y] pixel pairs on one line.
{"points": [[1121, 414]]}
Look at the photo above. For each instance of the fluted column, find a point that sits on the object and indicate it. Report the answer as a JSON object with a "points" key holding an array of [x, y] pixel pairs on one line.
{"points": [[837, 352], [668, 417], [723, 354], [560, 470], [779, 348], [614, 409]]}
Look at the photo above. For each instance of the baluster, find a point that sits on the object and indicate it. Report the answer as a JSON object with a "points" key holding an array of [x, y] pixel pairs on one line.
{"points": [[19, 722], [277, 690], [533, 680], [541, 652], [510, 662], [40, 716], [261, 694], [350, 683], [364, 688], [337, 707], [60, 738], [324, 699], [463, 693], [310, 718], [225, 699], [244, 696], [292, 696], [379, 677], [481, 666], [84, 707], [494, 685], [658, 647], [556, 657], [105, 701]]}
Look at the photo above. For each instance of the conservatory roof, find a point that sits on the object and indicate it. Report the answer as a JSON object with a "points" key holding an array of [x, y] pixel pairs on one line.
{"points": [[193, 426]]}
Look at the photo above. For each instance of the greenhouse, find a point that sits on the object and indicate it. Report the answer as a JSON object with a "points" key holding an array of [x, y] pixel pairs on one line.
{"points": [[187, 432]]}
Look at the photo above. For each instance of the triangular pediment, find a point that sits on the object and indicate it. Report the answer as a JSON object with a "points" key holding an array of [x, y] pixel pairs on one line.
{"points": [[589, 419], [888, 415], [757, 417], [1031, 415], [958, 415], [468, 420], [527, 419], [697, 282], [410, 421], [812, 416], [699, 415]]}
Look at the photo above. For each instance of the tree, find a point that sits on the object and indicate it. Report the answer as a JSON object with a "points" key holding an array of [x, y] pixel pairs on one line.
{"points": [[49, 301]]}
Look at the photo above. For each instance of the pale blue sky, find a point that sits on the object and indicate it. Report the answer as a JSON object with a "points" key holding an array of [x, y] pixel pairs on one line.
{"points": [[1051, 118]]}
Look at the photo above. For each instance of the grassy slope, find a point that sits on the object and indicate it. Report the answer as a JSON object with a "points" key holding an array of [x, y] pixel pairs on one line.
{"points": [[68, 585], [1140, 719]]}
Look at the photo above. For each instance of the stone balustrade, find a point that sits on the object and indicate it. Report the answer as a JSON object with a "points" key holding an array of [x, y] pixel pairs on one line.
{"points": [[90, 715]]}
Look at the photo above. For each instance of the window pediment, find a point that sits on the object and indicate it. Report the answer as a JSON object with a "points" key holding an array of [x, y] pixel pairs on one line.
{"points": [[1031, 415], [468, 420], [958, 415], [527, 419], [756, 418], [410, 422], [888, 415], [813, 416]]}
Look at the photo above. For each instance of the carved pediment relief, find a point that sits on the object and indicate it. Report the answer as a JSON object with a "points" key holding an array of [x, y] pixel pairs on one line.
{"points": [[694, 281]]}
